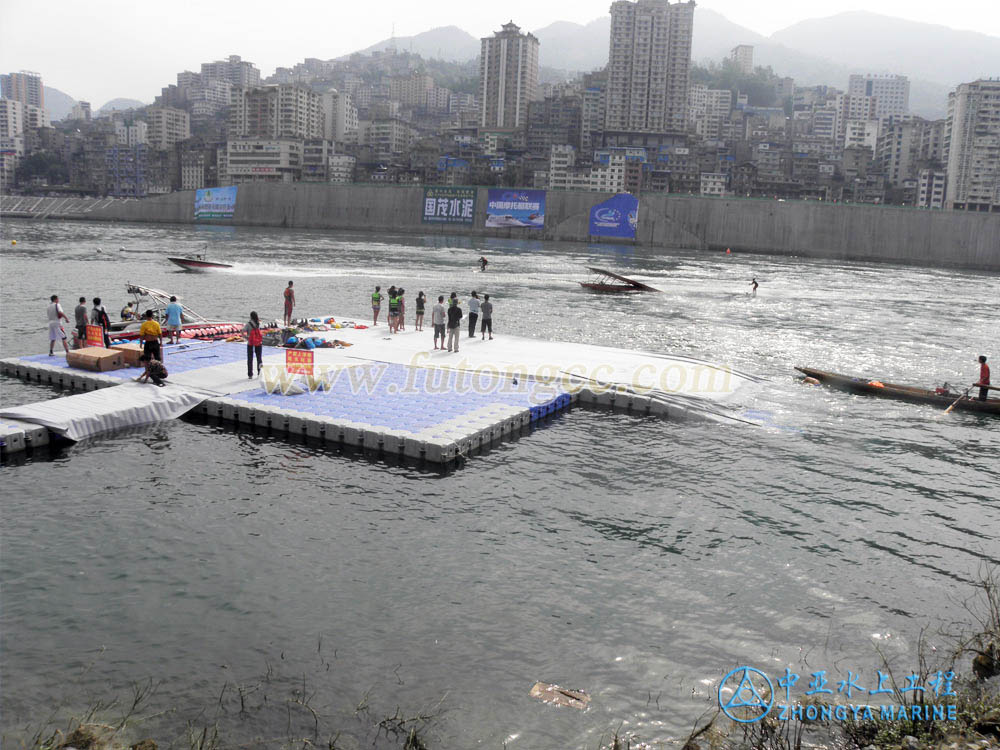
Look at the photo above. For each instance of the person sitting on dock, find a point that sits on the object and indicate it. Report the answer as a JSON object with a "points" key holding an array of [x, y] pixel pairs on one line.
{"points": [[289, 304], [154, 371], [56, 332], [152, 337], [437, 321], [984, 378], [376, 305]]}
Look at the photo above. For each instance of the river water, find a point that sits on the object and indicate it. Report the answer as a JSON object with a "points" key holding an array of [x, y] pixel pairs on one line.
{"points": [[631, 558]]}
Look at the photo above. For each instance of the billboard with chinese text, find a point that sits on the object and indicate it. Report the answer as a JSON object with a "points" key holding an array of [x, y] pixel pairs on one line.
{"points": [[215, 203], [516, 208], [448, 205]]}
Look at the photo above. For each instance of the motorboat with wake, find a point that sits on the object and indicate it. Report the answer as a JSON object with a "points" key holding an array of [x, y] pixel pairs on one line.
{"points": [[198, 263], [608, 281], [193, 325]]}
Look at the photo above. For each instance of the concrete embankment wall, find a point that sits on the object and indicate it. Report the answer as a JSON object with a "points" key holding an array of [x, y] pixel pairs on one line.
{"points": [[835, 231]]}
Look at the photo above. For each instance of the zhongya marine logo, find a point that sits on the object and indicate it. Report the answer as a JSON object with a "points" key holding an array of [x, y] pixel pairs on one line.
{"points": [[752, 695]]}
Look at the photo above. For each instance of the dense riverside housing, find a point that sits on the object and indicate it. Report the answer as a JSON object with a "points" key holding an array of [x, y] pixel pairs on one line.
{"points": [[648, 121]]}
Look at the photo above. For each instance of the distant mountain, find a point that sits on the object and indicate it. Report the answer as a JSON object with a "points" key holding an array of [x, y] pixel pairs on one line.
{"points": [[443, 43], [120, 104], [58, 104], [574, 46], [872, 42]]}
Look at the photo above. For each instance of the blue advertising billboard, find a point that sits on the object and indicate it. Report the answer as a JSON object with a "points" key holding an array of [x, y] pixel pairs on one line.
{"points": [[618, 216], [516, 208], [215, 203]]}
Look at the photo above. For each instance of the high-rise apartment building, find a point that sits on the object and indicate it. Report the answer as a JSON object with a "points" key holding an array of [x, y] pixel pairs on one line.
{"points": [[275, 111], [973, 146], [742, 57], [340, 117], [234, 69], [167, 127], [25, 87], [648, 66], [508, 77], [891, 93]]}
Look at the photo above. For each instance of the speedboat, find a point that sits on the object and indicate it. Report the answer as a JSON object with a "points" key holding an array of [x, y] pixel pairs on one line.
{"points": [[193, 325], [197, 263], [608, 281]]}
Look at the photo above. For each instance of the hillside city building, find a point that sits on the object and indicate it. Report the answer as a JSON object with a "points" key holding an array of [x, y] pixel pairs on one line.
{"points": [[508, 77]]}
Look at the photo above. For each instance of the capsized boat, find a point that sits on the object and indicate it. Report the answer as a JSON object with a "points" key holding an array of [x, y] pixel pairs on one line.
{"points": [[193, 325], [608, 281], [945, 398], [198, 263]]}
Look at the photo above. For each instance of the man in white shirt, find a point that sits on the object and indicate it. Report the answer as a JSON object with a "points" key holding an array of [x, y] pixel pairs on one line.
{"points": [[437, 320], [473, 314], [56, 316]]}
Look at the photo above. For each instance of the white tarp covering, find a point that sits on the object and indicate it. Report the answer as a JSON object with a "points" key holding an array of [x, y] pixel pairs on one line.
{"points": [[127, 405]]}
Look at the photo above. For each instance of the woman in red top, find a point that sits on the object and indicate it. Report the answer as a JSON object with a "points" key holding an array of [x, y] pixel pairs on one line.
{"points": [[255, 344], [984, 378]]}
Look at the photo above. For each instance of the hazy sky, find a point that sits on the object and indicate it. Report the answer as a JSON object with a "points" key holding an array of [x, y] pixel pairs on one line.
{"points": [[101, 49]]}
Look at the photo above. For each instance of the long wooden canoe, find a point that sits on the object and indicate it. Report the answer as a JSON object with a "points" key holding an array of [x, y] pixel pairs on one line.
{"points": [[910, 393]]}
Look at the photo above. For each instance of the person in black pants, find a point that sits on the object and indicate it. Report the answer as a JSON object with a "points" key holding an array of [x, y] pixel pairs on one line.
{"points": [[255, 344], [473, 314]]}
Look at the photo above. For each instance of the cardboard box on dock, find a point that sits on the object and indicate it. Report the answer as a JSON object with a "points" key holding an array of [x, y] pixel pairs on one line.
{"points": [[130, 354], [95, 358]]}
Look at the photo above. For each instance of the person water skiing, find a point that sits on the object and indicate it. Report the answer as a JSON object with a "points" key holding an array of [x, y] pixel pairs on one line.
{"points": [[483, 262], [754, 285]]}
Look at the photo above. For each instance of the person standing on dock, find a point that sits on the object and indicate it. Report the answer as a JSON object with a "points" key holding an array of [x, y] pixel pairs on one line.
{"points": [[56, 333], [487, 312], [753, 286], [80, 313], [437, 321], [473, 313], [152, 337], [99, 317], [401, 318], [984, 378], [421, 303], [289, 303], [376, 305], [454, 323], [255, 344], [174, 325], [393, 309]]}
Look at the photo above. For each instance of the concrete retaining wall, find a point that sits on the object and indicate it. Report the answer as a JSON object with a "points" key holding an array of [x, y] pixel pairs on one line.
{"points": [[836, 231]]}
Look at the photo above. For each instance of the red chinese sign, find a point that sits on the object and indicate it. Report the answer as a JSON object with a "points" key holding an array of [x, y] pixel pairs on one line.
{"points": [[95, 336], [299, 361]]}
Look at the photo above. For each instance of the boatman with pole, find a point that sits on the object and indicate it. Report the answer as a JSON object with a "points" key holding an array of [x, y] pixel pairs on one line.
{"points": [[984, 378]]}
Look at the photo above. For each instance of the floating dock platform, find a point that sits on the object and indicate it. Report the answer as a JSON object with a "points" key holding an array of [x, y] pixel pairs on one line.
{"points": [[390, 393]]}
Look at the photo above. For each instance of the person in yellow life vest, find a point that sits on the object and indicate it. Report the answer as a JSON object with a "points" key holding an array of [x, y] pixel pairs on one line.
{"points": [[152, 337], [376, 305]]}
